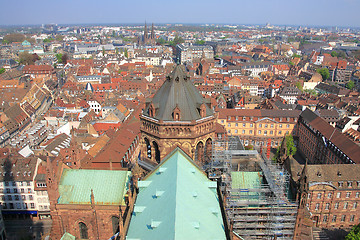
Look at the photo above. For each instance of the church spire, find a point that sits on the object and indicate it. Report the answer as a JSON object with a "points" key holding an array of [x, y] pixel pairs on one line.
{"points": [[145, 33], [152, 36]]}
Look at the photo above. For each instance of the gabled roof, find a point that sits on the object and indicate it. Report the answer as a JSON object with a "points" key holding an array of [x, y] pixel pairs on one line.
{"points": [[176, 201], [178, 91]]}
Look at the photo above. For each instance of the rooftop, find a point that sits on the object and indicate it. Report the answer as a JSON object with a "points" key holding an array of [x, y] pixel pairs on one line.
{"points": [[109, 187]]}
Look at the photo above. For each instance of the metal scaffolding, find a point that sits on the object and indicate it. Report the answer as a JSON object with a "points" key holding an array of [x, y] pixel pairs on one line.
{"points": [[263, 211]]}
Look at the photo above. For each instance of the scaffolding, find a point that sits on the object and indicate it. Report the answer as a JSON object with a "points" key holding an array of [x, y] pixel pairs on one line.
{"points": [[258, 211]]}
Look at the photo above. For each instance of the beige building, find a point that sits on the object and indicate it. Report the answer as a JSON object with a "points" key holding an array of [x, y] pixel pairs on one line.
{"points": [[256, 126]]}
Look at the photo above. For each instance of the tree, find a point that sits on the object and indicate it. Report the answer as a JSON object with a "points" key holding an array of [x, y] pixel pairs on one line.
{"points": [[59, 37], [177, 40], [354, 234], [299, 86], [64, 58], [27, 58], [14, 37], [126, 54], [2, 70], [59, 57], [290, 146], [334, 54], [324, 72], [350, 85], [200, 42]]}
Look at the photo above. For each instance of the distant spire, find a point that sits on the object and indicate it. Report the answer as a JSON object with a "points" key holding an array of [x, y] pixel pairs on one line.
{"points": [[145, 33], [152, 36]]}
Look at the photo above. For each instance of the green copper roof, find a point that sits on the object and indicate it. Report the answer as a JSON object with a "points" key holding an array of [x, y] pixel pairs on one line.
{"points": [[176, 201], [67, 236], [245, 181], [109, 187]]}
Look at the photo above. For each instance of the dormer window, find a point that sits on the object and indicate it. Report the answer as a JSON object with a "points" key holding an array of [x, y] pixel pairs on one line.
{"points": [[152, 110], [203, 110], [176, 114]]}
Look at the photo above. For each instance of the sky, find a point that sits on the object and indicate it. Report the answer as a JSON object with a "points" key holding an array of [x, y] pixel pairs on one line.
{"points": [[276, 12]]}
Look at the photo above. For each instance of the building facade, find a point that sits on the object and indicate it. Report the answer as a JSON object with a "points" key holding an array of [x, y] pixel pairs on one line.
{"points": [[255, 126], [330, 192], [321, 143], [177, 115]]}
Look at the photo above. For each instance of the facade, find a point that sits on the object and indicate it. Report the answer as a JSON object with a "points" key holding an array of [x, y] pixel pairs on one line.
{"points": [[330, 192], [321, 143], [255, 126], [191, 210], [89, 204], [290, 94], [187, 52], [18, 194], [177, 115]]}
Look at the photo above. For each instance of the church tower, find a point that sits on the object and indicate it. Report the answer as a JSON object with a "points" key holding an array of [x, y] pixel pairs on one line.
{"points": [[177, 115]]}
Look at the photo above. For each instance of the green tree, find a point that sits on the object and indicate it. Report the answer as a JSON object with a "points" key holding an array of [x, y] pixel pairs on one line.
{"points": [[103, 51], [117, 51], [126, 54], [290, 146], [354, 234], [200, 42], [59, 57], [2, 70], [177, 40], [47, 40], [334, 54], [161, 41], [350, 85], [324, 72], [299, 86], [296, 55]]}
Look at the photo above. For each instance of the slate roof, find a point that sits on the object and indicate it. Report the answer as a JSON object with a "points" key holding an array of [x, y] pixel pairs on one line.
{"points": [[176, 201], [351, 149], [109, 186], [178, 91]]}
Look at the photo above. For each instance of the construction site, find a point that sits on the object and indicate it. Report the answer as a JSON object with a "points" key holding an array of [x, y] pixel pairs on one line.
{"points": [[255, 190]]}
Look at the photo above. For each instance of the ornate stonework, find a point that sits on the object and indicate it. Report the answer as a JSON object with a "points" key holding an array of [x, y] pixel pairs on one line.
{"points": [[177, 116]]}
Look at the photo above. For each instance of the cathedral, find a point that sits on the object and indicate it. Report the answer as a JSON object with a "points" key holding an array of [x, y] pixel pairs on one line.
{"points": [[177, 116], [146, 38]]}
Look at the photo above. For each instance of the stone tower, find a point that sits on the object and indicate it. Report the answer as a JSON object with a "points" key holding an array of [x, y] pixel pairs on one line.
{"points": [[177, 115]]}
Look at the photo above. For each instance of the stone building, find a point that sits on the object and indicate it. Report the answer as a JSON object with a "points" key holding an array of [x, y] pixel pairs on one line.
{"points": [[89, 204], [177, 115], [321, 143], [329, 192]]}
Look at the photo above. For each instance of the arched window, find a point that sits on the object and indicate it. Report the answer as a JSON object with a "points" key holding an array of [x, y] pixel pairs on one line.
{"points": [[115, 224], [148, 148], [208, 150], [83, 230], [199, 153], [157, 152]]}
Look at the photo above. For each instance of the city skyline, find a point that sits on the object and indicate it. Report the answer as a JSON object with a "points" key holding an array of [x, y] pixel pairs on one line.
{"points": [[278, 12]]}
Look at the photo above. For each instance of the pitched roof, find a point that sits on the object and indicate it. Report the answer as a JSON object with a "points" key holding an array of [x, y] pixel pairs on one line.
{"points": [[178, 91], [109, 186], [176, 201], [351, 149]]}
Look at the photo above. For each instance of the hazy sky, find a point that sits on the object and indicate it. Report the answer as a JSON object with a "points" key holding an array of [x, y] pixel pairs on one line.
{"points": [[280, 12]]}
